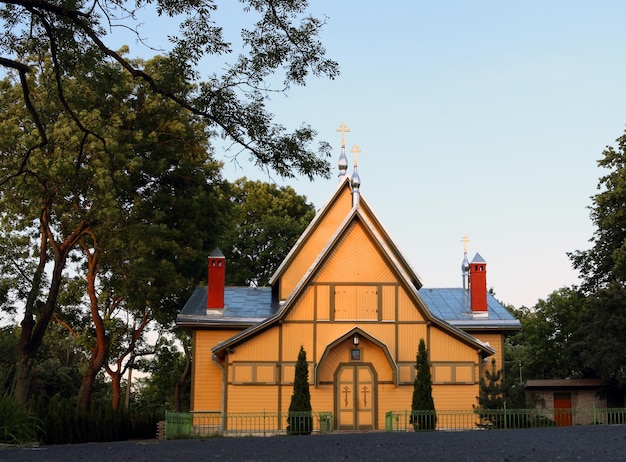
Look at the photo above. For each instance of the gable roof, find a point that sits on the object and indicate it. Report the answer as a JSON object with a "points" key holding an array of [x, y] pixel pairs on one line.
{"points": [[318, 219], [395, 264]]}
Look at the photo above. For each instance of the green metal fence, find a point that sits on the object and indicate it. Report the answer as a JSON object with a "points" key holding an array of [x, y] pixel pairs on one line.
{"points": [[203, 424], [500, 419]]}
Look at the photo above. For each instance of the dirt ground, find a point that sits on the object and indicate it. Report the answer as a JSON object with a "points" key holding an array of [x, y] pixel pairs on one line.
{"points": [[599, 443]]}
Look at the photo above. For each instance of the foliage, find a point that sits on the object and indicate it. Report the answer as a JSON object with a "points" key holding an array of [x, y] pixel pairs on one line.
{"points": [[605, 261], [423, 392], [164, 371], [490, 389], [280, 37], [603, 270], [491, 396], [603, 334], [18, 425], [63, 424], [300, 420], [266, 221], [139, 209], [549, 342]]}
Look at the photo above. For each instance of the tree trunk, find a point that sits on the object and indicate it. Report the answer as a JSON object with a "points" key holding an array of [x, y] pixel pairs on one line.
{"points": [[182, 379], [116, 389], [33, 330], [116, 375], [100, 350]]}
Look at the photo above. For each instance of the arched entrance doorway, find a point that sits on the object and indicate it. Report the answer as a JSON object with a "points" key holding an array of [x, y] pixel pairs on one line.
{"points": [[355, 397]]}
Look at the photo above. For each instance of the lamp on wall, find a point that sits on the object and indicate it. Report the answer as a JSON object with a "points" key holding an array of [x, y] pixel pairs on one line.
{"points": [[355, 340]]}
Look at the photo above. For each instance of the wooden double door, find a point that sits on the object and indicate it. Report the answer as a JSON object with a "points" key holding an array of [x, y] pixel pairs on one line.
{"points": [[355, 397]]}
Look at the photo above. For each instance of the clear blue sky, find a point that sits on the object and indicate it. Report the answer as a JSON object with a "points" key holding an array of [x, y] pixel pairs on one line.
{"points": [[483, 118]]}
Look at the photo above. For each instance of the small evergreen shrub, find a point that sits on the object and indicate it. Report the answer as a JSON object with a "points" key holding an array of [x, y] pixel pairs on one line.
{"points": [[423, 416], [300, 419]]}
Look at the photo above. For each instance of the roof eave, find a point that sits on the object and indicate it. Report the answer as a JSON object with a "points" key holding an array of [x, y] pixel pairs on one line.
{"points": [[486, 325], [197, 321]]}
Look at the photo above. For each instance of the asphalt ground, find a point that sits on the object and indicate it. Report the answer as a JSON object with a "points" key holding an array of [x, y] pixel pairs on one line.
{"points": [[588, 443]]}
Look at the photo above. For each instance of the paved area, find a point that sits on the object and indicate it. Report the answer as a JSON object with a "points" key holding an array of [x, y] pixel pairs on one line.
{"points": [[600, 443]]}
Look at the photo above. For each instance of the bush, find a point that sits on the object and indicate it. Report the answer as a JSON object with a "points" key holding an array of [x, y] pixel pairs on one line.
{"points": [[18, 425], [62, 424]]}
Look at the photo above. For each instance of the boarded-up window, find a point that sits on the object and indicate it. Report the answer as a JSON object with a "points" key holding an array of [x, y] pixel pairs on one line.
{"points": [[407, 373], [356, 302], [462, 373], [264, 373], [442, 373], [242, 373], [288, 373]]}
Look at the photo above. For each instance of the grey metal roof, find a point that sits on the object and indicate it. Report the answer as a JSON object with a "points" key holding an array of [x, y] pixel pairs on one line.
{"points": [[453, 306], [242, 305], [247, 306], [478, 259]]}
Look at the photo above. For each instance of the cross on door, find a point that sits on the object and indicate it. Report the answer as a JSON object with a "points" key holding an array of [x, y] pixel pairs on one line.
{"points": [[346, 391], [365, 391]]}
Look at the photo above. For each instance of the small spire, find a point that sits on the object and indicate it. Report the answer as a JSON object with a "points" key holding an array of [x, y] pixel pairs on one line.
{"points": [[343, 159], [465, 264], [355, 180]]}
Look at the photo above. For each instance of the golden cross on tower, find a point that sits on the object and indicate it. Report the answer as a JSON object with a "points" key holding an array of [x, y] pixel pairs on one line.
{"points": [[343, 128], [355, 149], [465, 240]]}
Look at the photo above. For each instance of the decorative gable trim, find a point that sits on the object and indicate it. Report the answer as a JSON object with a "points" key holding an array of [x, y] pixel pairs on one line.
{"points": [[395, 265], [362, 334]]}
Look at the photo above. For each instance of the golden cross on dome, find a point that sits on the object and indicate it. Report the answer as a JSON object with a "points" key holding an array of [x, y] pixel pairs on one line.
{"points": [[465, 240], [343, 128], [355, 149]]}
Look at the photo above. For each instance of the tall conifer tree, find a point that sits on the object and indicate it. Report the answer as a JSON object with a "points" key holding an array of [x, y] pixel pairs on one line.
{"points": [[423, 393], [300, 420]]}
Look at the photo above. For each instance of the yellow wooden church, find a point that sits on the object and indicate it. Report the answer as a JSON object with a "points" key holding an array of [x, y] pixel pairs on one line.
{"points": [[350, 298]]}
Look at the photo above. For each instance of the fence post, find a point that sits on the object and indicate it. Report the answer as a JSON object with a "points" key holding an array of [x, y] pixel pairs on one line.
{"points": [[505, 419], [593, 405]]}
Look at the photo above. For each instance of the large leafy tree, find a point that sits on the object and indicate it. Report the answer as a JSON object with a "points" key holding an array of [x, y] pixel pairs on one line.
{"points": [[605, 261], [130, 203], [265, 222], [548, 344], [603, 334], [603, 270], [231, 98]]}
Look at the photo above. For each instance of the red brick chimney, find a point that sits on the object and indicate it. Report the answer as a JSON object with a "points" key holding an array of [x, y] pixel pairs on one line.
{"points": [[478, 285], [215, 286]]}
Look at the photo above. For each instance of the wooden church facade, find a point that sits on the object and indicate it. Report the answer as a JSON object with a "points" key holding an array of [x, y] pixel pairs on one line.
{"points": [[348, 296]]}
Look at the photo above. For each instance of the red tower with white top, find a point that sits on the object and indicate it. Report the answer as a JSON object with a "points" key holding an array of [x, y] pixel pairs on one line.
{"points": [[216, 278], [478, 285]]}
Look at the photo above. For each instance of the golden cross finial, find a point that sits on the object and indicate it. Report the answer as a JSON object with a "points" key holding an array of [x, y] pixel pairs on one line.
{"points": [[465, 240], [355, 149], [343, 128]]}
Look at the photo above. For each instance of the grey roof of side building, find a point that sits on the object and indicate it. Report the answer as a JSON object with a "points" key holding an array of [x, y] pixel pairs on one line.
{"points": [[242, 306], [246, 306], [453, 306]]}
